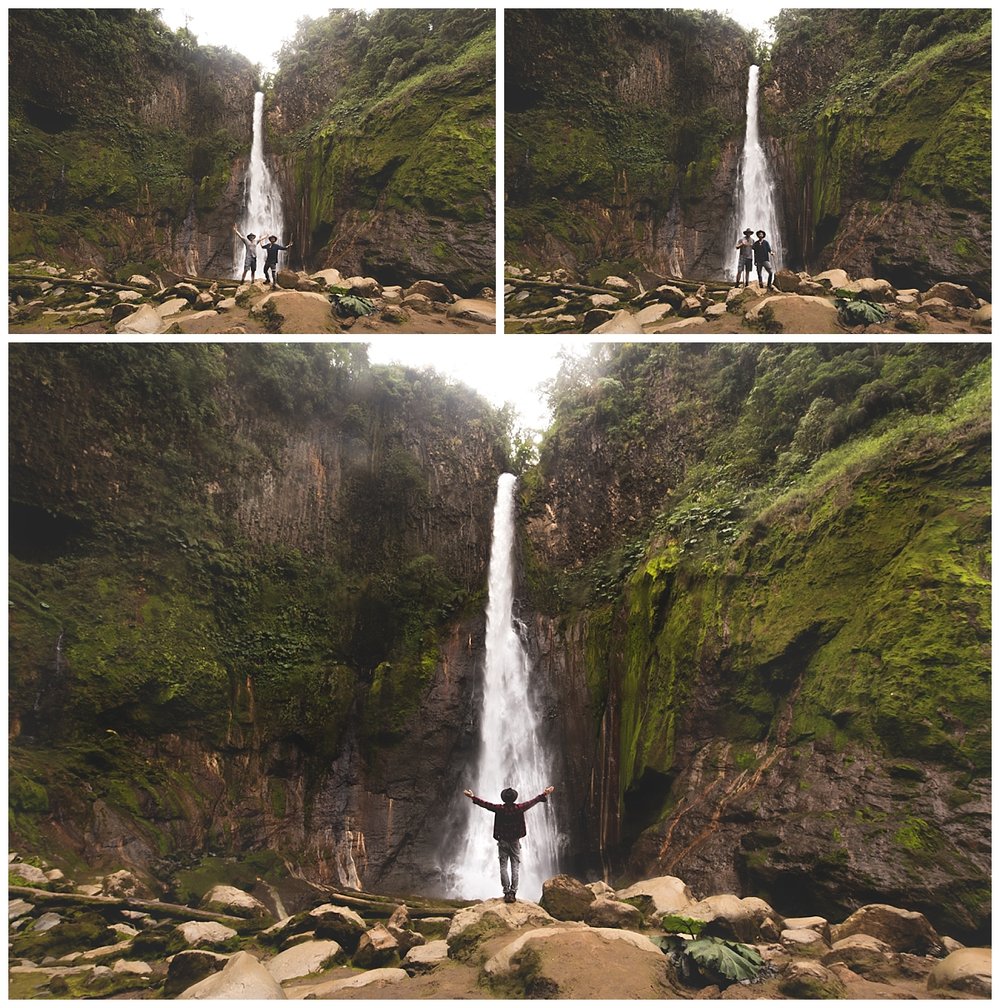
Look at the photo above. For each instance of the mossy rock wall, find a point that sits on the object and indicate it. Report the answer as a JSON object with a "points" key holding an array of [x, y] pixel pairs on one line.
{"points": [[240, 579], [885, 159], [623, 132], [798, 706]]}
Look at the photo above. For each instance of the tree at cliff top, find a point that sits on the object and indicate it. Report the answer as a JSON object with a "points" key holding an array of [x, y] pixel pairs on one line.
{"points": [[622, 139], [881, 124], [227, 550], [387, 123], [122, 140], [779, 617]]}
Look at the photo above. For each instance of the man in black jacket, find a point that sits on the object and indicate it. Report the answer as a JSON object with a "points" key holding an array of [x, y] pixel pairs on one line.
{"points": [[508, 828]]}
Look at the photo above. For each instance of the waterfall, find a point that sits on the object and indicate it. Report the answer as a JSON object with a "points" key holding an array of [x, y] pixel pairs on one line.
{"points": [[511, 740], [755, 202], [262, 207]]}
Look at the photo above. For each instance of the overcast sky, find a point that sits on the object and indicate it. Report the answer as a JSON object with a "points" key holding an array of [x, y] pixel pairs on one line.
{"points": [[501, 368]]}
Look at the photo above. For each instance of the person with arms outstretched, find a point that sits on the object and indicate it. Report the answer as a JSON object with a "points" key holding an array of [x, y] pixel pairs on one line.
{"points": [[271, 262], [250, 263], [508, 828]]}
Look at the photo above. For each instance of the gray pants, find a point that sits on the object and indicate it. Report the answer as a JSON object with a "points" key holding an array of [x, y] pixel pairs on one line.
{"points": [[509, 850], [770, 273]]}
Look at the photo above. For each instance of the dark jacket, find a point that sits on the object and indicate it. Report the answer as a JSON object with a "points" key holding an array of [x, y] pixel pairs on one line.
{"points": [[508, 822], [272, 252], [761, 251]]}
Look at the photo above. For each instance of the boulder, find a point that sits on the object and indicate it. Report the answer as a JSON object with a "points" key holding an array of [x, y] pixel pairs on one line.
{"points": [[377, 947], [601, 889], [204, 300], [189, 966], [200, 933], [131, 967], [811, 981], [909, 321], [566, 898], [867, 289], [233, 902], [474, 924], [330, 277], [425, 958], [953, 294], [145, 320], [818, 924], [342, 924], [475, 309], [651, 314], [401, 928], [226, 304], [28, 874], [787, 282], [49, 920], [619, 321], [618, 283], [833, 279], [943, 311], [361, 286], [122, 885], [665, 293], [430, 289], [199, 321], [801, 940], [171, 306], [186, 291], [738, 297], [716, 311], [658, 896], [603, 300], [129, 297], [728, 916], [906, 300], [865, 955], [901, 930], [605, 912], [419, 303], [302, 959], [691, 305], [243, 978], [375, 977], [137, 280], [392, 295], [796, 313], [966, 971], [17, 908], [982, 317]]}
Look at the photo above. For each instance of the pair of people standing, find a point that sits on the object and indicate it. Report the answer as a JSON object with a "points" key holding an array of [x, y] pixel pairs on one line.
{"points": [[756, 253], [270, 263]]}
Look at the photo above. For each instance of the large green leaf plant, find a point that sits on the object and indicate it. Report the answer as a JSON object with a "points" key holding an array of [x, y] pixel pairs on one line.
{"points": [[707, 959]]}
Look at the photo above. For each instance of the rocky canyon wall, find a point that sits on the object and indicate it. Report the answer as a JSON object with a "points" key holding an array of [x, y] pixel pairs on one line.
{"points": [[880, 126], [623, 136], [782, 693], [127, 142]]}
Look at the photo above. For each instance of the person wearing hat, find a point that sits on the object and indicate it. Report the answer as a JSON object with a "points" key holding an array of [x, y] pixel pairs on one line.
{"points": [[745, 248], [508, 828], [762, 259], [250, 263], [271, 262]]}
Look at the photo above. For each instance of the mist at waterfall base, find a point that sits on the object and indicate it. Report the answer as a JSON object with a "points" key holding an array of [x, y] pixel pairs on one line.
{"points": [[755, 204], [262, 213], [511, 752]]}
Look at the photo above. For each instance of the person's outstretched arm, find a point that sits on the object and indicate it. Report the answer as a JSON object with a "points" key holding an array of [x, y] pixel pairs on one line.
{"points": [[468, 793]]}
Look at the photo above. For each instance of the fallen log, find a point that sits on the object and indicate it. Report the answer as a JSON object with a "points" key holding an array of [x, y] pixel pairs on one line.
{"points": [[693, 285], [60, 281], [152, 907]]}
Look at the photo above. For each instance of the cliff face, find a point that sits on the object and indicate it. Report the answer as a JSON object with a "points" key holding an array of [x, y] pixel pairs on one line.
{"points": [[125, 142], [241, 578], [623, 137], [391, 174], [880, 124], [785, 692]]}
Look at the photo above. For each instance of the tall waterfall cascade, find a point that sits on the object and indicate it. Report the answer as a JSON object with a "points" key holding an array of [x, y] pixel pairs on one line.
{"points": [[755, 204], [262, 213], [512, 751]]}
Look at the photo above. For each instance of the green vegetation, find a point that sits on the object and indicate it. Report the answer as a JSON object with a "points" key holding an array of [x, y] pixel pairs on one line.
{"points": [[143, 607]]}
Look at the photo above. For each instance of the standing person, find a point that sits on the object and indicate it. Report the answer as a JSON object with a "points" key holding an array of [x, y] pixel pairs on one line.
{"points": [[762, 259], [250, 263], [271, 262], [508, 828], [745, 248]]}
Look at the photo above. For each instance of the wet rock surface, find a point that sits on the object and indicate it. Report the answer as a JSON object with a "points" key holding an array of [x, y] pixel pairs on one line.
{"points": [[493, 949]]}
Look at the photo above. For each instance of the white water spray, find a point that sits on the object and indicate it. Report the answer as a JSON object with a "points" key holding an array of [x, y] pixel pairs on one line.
{"points": [[511, 747], [262, 210], [755, 204]]}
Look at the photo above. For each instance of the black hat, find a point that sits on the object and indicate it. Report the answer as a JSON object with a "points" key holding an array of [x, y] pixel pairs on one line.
{"points": [[762, 232], [508, 795], [748, 231], [251, 235]]}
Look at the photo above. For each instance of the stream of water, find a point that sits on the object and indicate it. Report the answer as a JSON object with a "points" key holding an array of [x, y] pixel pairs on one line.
{"points": [[755, 203], [262, 214], [512, 751]]}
